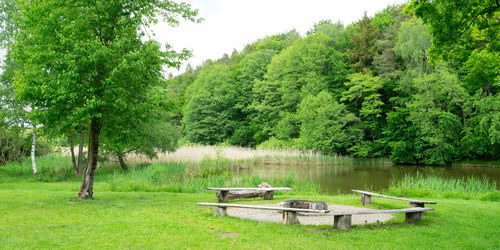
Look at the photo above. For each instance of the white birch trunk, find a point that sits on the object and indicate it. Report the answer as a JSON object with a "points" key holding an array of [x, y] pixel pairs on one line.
{"points": [[33, 146]]}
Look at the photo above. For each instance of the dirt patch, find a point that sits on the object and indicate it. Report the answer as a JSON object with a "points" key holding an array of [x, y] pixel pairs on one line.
{"points": [[230, 234]]}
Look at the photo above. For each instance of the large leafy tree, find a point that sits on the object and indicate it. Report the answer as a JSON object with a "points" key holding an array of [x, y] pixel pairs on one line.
{"points": [[412, 43], [436, 110], [364, 98], [210, 110], [459, 26], [326, 125], [159, 133], [87, 62], [251, 69]]}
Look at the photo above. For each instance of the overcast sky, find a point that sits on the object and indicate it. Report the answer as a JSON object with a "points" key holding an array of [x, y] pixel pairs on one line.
{"points": [[231, 24]]}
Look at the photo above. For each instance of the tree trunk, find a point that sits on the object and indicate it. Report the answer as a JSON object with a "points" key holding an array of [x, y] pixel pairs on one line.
{"points": [[80, 152], [72, 150], [87, 188], [33, 147], [122, 162]]}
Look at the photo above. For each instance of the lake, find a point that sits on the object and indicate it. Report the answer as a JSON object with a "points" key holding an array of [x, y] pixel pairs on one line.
{"points": [[344, 175]]}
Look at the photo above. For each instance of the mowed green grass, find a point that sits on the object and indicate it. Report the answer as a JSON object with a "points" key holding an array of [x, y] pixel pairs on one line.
{"points": [[46, 215]]}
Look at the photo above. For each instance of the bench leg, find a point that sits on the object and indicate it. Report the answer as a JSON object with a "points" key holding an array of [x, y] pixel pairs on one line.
{"points": [[289, 218], [366, 199], [414, 204], [220, 211], [268, 195], [223, 196], [342, 222], [413, 217]]}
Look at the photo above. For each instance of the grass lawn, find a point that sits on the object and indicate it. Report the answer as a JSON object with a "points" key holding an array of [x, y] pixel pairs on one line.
{"points": [[45, 215]]}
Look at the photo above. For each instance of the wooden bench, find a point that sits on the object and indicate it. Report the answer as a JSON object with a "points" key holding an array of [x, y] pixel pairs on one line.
{"points": [[342, 220], [289, 214], [366, 198], [225, 194]]}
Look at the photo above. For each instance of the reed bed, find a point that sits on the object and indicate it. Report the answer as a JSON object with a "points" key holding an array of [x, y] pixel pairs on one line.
{"points": [[438, 187], [191, 178]]}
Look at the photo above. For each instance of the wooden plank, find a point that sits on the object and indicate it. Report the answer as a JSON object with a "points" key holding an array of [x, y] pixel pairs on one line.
{"points": [[392, 197], [264, 207], [251, 189], [394, 211]]}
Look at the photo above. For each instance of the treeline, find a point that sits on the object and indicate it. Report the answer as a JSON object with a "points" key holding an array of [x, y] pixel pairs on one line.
{"points": [[368, 89]]}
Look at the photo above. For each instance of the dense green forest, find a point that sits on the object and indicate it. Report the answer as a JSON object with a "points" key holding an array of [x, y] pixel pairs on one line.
{"points": [[417, 83], [380, 87]]}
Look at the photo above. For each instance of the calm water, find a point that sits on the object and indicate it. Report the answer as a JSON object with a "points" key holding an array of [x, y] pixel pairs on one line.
{"points": [[358, 174]]}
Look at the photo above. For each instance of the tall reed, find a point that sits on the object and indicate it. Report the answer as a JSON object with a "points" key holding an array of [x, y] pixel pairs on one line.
{"points": [[435, 186]]}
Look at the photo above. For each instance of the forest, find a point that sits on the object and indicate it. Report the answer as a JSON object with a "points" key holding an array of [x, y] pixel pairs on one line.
{"points": [[417, 83], [383, 86]]}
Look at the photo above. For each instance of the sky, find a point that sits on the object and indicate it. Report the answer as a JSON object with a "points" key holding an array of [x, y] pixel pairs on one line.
{"points": [[232, 24]]}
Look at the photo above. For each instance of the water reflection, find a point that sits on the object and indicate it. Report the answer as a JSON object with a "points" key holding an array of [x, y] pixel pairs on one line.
{"points": [[342, 176]]}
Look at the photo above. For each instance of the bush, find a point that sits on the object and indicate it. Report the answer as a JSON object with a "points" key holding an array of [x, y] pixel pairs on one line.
{"points": [[276, 144]]}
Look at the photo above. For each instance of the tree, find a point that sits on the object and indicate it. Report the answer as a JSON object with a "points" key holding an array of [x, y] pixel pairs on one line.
{"points": [[158, 133], [332, 30], [412, 43], [363, 40], [297, 71], [326, 125], [457, 26], [364, 99], [437, 111], [77, 164], [209, 112], [85, 61], [250, 69], [482, 71], [388, 22], [482, 127]]}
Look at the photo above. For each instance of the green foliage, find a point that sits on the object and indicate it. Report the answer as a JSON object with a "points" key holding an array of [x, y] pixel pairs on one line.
{"points": [[412, 43], [275, 43], [326, 125], [82, 65], [363, 41], [15, 144], [275, 144], [209, 112], [482, 129], [364, 99], [483, 70], [332, 30], [458, 26], [303, 69], [251, 69], [287, 91], [435, 110], [11, 144]]}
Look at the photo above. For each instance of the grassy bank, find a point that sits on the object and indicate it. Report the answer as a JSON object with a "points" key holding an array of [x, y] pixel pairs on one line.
{"points": [[45, 215]]}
